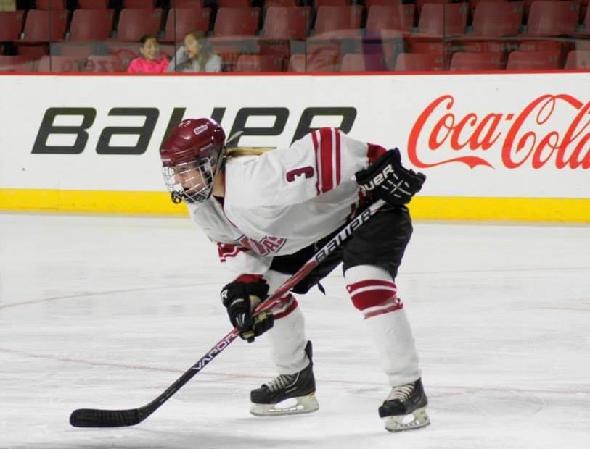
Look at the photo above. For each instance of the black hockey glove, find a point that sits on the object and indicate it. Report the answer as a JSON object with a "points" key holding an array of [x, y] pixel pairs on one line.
{"points": [[388, 180], [240, 298]]}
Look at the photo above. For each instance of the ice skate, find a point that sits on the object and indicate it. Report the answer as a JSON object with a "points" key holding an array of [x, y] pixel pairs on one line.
{"points": [[405, 408], [287, 394]]}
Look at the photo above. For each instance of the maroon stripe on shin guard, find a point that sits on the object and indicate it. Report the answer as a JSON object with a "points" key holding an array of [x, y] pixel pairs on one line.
{"points": [[286, 309]]}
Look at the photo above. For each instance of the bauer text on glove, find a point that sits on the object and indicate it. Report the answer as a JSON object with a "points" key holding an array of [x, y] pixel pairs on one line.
{"points": [[388, 180]]}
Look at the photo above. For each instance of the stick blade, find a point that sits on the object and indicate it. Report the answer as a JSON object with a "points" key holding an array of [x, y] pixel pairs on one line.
{"points": [[90, 417]]}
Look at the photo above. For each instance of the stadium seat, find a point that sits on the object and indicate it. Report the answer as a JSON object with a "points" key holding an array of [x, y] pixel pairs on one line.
{"points": [[358, 62], [533, 60], [234, 3], [139, 4], [396, 17], [269, 3], [75, 49], [16, 64], [337, 18], [93, 4], [497, 19], [50, 4], [11, 23], [318, 3], [418, 62], [585, 29], [58, 64], [286, 22], [463, 60], [104, 63], [236, 22], [443, 19], [91, 25], [552, 18], [45, 25], [192, 4], [259, 63], [314, 62], [182, 21], [421, 3], [369, 3], [578, 59], [135, 23]]}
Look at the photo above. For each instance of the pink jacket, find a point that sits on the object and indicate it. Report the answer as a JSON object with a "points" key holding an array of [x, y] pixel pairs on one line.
{"points": [[142, 65]]}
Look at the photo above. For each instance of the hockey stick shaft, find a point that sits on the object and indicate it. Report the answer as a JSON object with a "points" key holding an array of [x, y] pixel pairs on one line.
{"points": [[87, 417]]}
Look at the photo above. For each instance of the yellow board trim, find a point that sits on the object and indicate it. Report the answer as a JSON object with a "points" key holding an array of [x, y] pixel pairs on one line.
{"points": [[562, 210]]}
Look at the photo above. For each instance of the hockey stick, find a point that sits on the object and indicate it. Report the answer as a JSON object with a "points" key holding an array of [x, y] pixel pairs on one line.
{"points": [[89, 417]]}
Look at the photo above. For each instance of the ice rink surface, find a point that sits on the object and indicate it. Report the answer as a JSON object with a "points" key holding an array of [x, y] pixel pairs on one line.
{"points": [[107, 312]]}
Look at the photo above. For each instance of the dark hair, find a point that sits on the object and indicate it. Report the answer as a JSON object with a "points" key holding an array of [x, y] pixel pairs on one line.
{"points": [[147, 37]]}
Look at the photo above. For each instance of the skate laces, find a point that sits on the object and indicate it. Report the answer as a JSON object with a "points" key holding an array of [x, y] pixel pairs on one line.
{"points": [[401, 392], [281, 381]]}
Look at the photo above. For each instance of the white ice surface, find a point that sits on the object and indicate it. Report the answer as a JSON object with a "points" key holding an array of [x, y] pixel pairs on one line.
{"points": [[107, 312]]}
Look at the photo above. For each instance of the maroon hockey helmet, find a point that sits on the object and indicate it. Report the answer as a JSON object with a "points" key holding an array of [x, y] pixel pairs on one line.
{"points": [[191, 157]]}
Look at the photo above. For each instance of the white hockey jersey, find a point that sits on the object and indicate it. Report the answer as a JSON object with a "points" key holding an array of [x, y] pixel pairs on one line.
{"points": [[285, 199]]}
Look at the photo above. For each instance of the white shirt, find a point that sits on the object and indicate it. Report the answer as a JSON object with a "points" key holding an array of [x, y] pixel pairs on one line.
{"points": [[284, 200]]}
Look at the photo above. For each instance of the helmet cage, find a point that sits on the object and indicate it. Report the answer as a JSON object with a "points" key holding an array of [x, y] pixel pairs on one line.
{"points": [[192, 181]]}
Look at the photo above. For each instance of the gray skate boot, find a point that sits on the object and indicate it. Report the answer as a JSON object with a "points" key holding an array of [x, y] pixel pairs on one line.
{"points": [[405, 408], [287, 394]]}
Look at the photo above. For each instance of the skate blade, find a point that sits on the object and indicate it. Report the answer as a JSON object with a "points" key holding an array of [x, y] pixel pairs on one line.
{"points": [[414, 420], [291, 406]]}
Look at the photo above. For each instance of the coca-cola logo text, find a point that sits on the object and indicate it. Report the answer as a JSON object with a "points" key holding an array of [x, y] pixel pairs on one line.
{"points": [[528, 138]]}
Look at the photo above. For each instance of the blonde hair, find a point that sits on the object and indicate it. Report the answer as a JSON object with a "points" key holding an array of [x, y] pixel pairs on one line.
{"points": [[246, 151]]}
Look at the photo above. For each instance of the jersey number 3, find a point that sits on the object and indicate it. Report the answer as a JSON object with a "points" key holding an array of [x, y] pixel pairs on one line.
{"points": [[307, 171]]}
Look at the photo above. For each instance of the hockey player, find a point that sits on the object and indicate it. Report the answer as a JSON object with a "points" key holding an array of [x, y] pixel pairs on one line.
{"points": [[270, 213]]}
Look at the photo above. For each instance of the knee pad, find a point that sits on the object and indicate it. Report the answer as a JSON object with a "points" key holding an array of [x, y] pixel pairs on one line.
{"points": [[372, 290]]}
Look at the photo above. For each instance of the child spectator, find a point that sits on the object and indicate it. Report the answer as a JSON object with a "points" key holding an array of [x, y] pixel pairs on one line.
{"points": [[150, 60], [194, 56]]}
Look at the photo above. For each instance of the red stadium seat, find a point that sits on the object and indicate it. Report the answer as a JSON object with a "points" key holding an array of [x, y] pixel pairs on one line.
{"points": [[421, 3], [58, 64], [91, 25], [396, 17], [45, 25], [443, 19], [370, 3], [318, 3], [236, 22], [192, 4], [135, 23], [259, 63], [463, 60], [418, 62], [234, 3], [337, 18], [180, 22], [108, 63], [357, 62], [79, 49], [552, 18], [139, 4], [585, 30], [50, 4], [314, 62], [497, 19], [286, 22], [269, 3], [533, 60], [16, 64], [578, 59], [93, 4], [11, 24]]}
